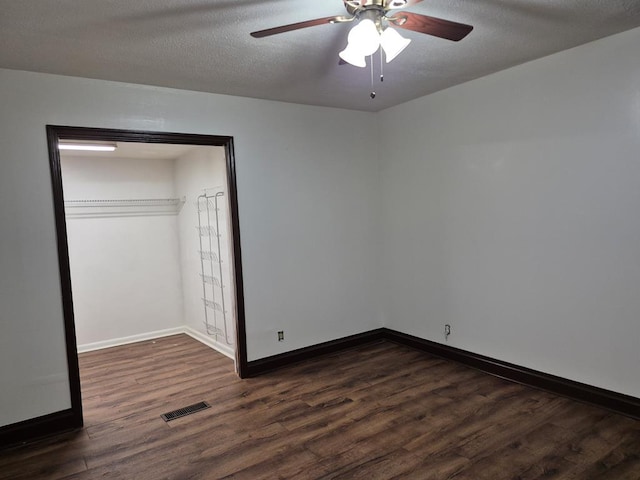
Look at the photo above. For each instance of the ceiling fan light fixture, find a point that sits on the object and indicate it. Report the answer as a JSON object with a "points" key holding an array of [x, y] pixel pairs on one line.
{"points": [[393, 43], [364, 38], [353, 57]]}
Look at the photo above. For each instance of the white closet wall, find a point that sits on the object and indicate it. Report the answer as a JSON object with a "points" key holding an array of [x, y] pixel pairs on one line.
{"points": [[125, 270], [200, 169]]}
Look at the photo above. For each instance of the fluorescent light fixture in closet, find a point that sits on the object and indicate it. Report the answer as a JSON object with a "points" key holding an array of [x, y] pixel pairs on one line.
{"points": [[87, 147]]}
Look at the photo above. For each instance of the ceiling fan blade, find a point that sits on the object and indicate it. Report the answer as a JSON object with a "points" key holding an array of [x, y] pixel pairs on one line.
{"points": [[431, 26], [296, 26]]}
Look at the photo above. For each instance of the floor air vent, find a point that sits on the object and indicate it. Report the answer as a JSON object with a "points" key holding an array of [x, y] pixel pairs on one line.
{"points": [[183, 412]]}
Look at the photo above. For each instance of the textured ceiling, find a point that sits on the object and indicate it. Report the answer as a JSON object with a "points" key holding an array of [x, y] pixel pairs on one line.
{"points": [[205, 45]]}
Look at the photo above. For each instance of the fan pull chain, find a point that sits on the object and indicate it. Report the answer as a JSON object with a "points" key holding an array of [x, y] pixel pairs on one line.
{"points": [[381, 67], [373, 93]]}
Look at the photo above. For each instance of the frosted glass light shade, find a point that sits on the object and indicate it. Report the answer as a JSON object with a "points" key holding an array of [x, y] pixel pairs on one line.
{"points": [[355, 58], [393, 43], [364, 37]]}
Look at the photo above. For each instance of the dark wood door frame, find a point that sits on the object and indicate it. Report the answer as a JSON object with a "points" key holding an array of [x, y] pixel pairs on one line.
{"points": [[54, 134]]}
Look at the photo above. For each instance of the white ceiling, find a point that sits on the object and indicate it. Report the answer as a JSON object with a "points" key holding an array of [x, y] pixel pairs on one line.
{"points": [[205, 45]]}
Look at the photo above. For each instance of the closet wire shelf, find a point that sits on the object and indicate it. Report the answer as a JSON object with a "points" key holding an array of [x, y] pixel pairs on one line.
{"points": [[211, 280], [205, 255], [211, 274], [207, 231], [123, 207]]}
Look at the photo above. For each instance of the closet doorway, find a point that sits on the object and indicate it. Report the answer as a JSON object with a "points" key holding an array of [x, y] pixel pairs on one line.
{"points": [[148, 240]]}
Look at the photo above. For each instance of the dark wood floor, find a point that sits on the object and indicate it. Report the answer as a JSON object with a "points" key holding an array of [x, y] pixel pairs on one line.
{"points": [[381, 411]]}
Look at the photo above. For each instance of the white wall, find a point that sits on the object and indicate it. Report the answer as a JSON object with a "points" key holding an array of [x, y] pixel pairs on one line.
{"points": [[204, 168], [511, 210], [125, 270], [307, 186]]}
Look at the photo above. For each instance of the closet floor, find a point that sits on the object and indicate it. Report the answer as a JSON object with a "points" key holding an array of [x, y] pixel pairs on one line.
{"points": [[380, 411]]}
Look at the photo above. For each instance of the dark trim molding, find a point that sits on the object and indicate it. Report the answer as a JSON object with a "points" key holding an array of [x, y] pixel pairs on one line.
{"points": [[71, 419], [56, 132], [65, 278], [616, 402], [256, 367], [28, 430], [241, 331]]}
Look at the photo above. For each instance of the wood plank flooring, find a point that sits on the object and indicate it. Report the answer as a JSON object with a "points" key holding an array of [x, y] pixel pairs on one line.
{"points": [[380, 411]]}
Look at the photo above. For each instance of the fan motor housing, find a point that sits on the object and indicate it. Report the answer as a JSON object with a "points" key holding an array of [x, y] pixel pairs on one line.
{"points": [[354, 7]]}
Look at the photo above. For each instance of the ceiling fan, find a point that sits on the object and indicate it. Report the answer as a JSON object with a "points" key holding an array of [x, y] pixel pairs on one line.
{"points": [[374, 17]]}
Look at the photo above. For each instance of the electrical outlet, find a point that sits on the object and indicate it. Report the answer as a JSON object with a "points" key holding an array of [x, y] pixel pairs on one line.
{"points": [[281, 336], [447, 331]]}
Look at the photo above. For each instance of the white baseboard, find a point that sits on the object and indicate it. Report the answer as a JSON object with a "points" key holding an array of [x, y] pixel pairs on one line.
{"points": [[88, 347], [224, 349]]}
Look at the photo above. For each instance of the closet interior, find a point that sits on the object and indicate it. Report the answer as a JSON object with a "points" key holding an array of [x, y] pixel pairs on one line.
{"points": [[150, 252]]}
